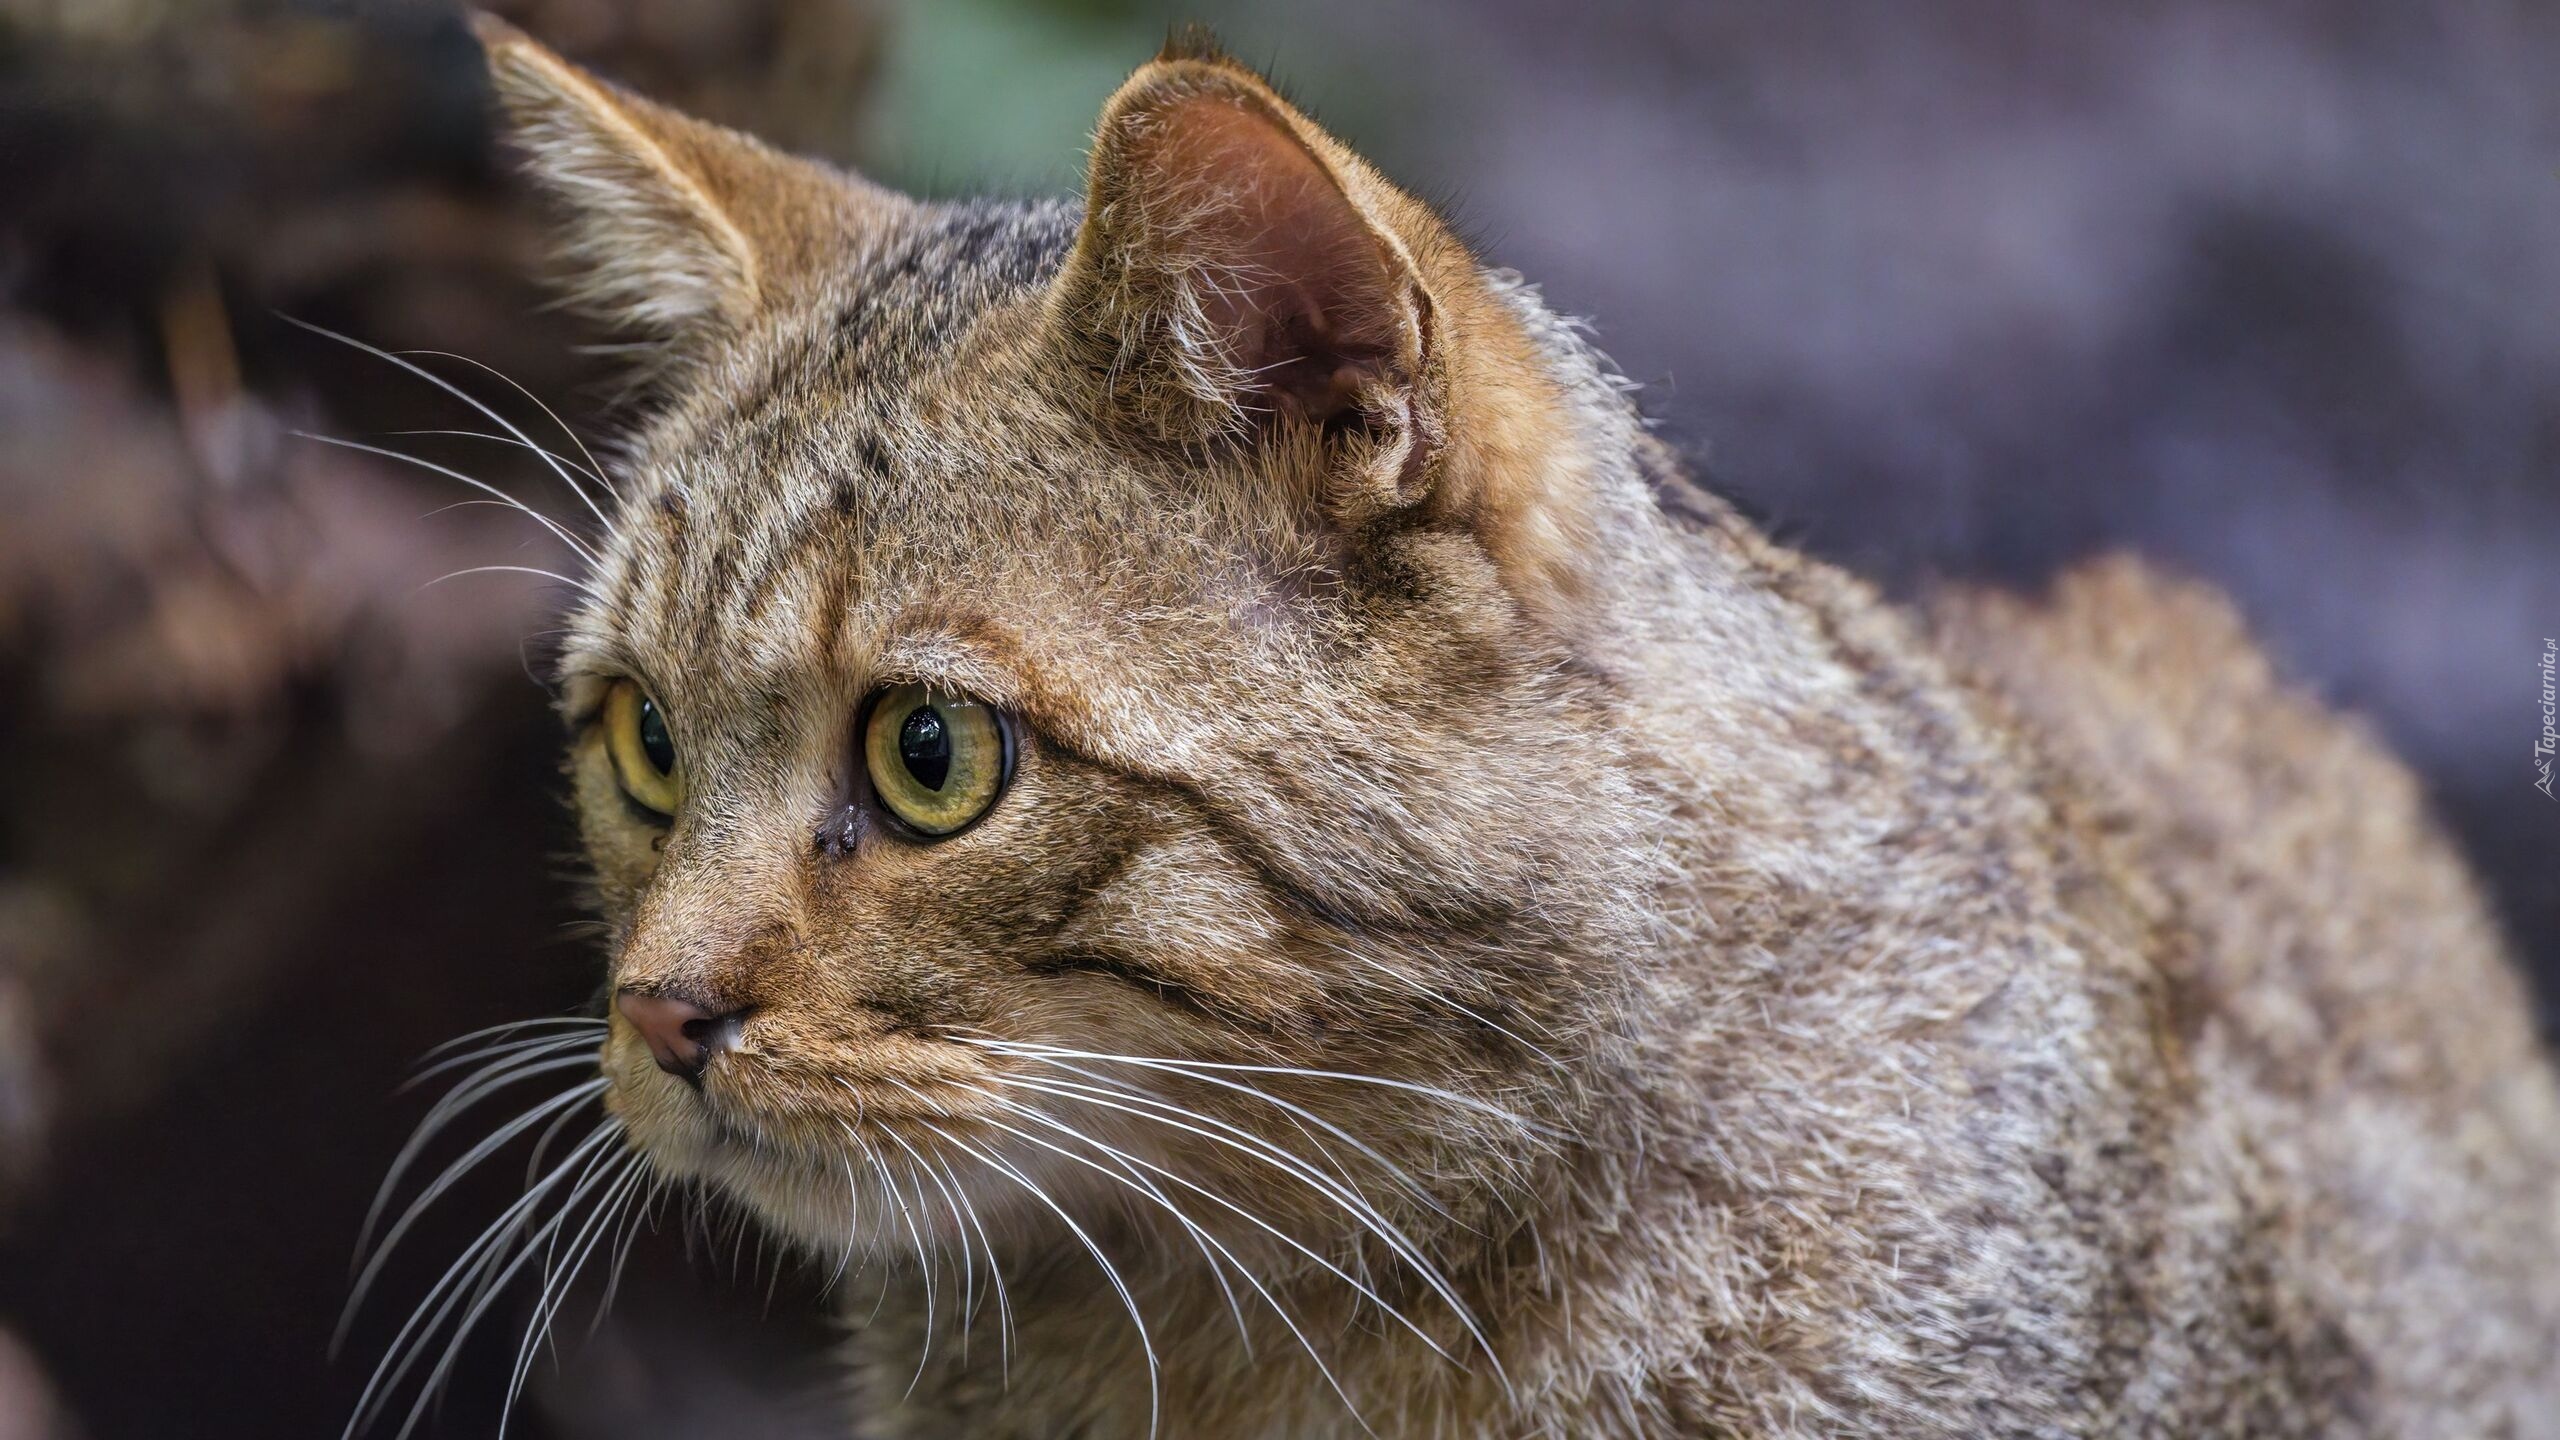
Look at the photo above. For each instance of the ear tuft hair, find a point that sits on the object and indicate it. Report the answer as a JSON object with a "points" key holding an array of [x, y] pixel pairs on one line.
{"points": [[1193, 41]]}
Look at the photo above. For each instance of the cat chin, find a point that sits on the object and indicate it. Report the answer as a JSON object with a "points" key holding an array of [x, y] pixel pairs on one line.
{"points": [[836, 1207], [798, 1194], [832, 1200]]}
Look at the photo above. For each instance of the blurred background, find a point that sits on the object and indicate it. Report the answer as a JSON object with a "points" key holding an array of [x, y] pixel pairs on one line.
{"points": [[2268, 290]]}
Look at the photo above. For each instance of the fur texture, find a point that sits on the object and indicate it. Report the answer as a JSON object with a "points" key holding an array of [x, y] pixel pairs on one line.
{"points": [[1464, 890]]}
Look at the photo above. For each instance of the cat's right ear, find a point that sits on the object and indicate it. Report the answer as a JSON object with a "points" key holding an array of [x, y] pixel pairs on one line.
{"points": [[679, 232], [1240, 271]]}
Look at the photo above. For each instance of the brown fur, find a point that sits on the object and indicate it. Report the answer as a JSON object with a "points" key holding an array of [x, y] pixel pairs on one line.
{"points": [[2029, 1020]]}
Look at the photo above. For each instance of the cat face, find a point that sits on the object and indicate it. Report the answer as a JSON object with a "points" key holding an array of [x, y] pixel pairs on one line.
{"points": [[1079, 701]]}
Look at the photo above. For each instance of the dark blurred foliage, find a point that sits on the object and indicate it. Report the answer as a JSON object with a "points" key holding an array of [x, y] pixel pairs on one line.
{"points": [[2268, 290], [283, 809]]}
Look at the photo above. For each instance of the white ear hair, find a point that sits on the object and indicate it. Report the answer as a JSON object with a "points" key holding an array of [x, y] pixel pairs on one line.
{"points": [[1229, 267]]}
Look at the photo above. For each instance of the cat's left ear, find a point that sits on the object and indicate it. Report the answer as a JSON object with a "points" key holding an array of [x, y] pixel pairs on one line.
{"points": [[1240, 271], [678, 231]]}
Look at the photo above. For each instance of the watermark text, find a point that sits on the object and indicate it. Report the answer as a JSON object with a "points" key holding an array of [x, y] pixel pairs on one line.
{"points": [[2544, 747]]}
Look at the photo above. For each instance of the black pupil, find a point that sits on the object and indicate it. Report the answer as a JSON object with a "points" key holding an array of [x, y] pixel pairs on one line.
{"points": [[655, 742], [925, 746]]}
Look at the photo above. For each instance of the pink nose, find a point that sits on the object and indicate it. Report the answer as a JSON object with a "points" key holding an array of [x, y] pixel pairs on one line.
{"points": [[681, 1036]]}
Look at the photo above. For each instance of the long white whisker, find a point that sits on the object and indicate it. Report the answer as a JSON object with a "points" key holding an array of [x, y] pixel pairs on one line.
{"points": [[567, 1101], [489, 1278], [871, 1163], [853, 1222], [580, 585], [496, 1075], [558, 531], [499, 1074], [924, 1255], [1107, 1085], [429, 1312], [926, 1260], [518, 1047], [1156, 1062], [593, 469], [556, 1282], [995, 1277], [1394, 1172], [542, 1142], [1332, 1188], [560, 1267], [507, 440], [1208, 1245], [1206, 1241], [960, 1232], [456, 391], [1249, 1217], [588, 1022], [591, 1175], [645, 1212], [1128, 1300]]}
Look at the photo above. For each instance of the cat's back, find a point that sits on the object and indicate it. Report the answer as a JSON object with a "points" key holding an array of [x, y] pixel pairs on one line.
{"points": [[2360, 1052]]}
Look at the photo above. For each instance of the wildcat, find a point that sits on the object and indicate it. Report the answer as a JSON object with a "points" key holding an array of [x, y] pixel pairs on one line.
{"points": [[1185, 764]]}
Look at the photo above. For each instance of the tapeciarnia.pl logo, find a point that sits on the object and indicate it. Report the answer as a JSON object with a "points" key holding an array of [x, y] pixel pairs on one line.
{"points": [[2550, 741]]}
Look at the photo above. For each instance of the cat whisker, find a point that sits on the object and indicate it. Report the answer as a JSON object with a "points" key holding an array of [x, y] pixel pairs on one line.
{"points": [[371, 1257], [927, 1258], [542, 1142], [465, 396], [953, 1193], [501, 1071], [559, 532], [995, 1278], [594, 1173], [592, 469], [495, 1051], [557, 1280], [986, 1040], [1052, 1056], [1130, 1179], [1332, 1188], [643, 1212], [968, 1269], [587, 1022], [1126, 1158], [508, 440], [1128, 1299], [1211, 1250], [579, 585], [496, 1239], [473, 505], [371, 1273], [915, 1233], [1199, 1072], [853, 1223], [1249, 1217]]}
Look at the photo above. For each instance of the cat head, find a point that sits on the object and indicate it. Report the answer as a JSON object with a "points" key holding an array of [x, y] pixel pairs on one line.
{"points": [[1059, 677]]}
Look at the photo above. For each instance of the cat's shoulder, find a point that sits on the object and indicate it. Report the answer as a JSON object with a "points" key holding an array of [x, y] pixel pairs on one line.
{"points": [[2291, 840]]}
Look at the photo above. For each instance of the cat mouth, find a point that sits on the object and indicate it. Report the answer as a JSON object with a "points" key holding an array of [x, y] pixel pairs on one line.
{"points": [[770, 1108]]}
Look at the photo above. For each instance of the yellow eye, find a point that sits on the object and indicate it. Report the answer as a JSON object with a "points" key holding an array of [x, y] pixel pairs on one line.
{"points": [[937, 761], [644, 753]]}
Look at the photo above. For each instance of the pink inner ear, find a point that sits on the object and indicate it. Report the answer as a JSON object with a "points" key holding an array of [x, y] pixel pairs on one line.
{"points": [[1308, 303]]}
